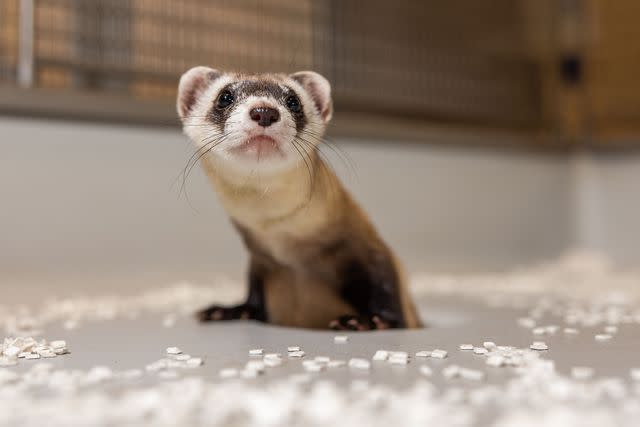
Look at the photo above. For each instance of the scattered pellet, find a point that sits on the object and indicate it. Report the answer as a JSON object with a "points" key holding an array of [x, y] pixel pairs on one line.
{"points": [[611, 329], [381, 355], [439, 354], [424, 353], [194, 362], [539, 346], [570, 331], [527, 322], [635, 374], [182, 357], [293, 348], [489, 345], [297, 354], [255, 365], [273, 356], [312, 366], [272, 362], [256, 352], [358, 363], [466, 347], [398, 359], [552, 329], [472, 374], [173, 350], [341, 339], [58, 344], [336, 364], [426, 370], [603, 337], [581, 372], [480, 350], [539, 331], [496, 360], [228, 373], [451, 371]]}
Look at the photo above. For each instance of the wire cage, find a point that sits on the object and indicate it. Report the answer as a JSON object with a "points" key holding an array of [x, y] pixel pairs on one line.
{"points": [[451, 61]]}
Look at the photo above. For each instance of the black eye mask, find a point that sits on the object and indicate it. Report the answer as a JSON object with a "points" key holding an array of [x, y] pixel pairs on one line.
{"points": [[234, 94]]}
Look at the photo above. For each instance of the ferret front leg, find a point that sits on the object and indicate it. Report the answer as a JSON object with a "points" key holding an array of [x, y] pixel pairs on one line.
{"points": [[253, 308], [372, 289]]}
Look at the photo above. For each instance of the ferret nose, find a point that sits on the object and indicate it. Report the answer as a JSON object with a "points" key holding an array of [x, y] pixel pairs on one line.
{"points": [[265, 116]]}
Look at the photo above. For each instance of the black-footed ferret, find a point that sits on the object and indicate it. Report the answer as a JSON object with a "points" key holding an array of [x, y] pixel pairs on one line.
{"points": [[316, 261]]}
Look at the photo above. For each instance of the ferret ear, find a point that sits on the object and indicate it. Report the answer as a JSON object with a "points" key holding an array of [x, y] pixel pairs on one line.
{"points": [[320, 91], [193, 83]]}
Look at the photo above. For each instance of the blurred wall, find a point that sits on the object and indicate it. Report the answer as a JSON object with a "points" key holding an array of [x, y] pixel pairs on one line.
{"points": [[98, 201]]}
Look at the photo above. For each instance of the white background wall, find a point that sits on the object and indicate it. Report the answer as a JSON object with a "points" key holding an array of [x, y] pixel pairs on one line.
{"points": [[90, 200]]}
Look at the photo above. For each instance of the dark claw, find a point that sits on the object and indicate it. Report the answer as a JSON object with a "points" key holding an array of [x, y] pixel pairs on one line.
{"points": [[355, 323]]}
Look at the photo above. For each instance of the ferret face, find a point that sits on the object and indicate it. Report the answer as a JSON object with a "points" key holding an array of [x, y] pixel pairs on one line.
{"points": [[254, 123]]}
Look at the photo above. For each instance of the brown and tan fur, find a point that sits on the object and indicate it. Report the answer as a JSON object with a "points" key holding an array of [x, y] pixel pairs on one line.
{"points": [[313, 250]]}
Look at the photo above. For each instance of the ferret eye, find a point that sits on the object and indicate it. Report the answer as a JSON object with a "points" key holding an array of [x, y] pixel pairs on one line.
{"points": [[293, 104], [225, 99]]}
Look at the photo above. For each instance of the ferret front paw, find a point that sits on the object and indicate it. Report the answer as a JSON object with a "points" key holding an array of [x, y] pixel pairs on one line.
{"points": [[358, 323], [239, 312]]}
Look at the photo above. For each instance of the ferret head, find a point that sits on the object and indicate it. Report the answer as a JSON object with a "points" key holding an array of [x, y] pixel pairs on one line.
{"points": [[262, 123]]}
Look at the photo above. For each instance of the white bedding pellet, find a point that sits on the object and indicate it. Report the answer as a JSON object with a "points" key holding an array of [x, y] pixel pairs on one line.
{"points": [[539, 331], [293, 348], [341, 339], [312, 366], [296, 354], [273, 356], [58, 344], [358, 363], [322, 359], [228, 373], [23, 354], [256, 352], [480, 350], [489, 345], [194, 362], [173, 350], [439, 354], [570, 331], [182, 357], [635, 374], [552, 329], [581, 372], [451, 371], [249, 373], [255, 365], [527, 322], [611, 329], [496, 360], [272, 362], [398, 354], [381, 355], [426, 370], [472, 374], [424, 353], [539, 346], [12, 352], [336, 363], [466, 347], [398, 360], [603, 337]]}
